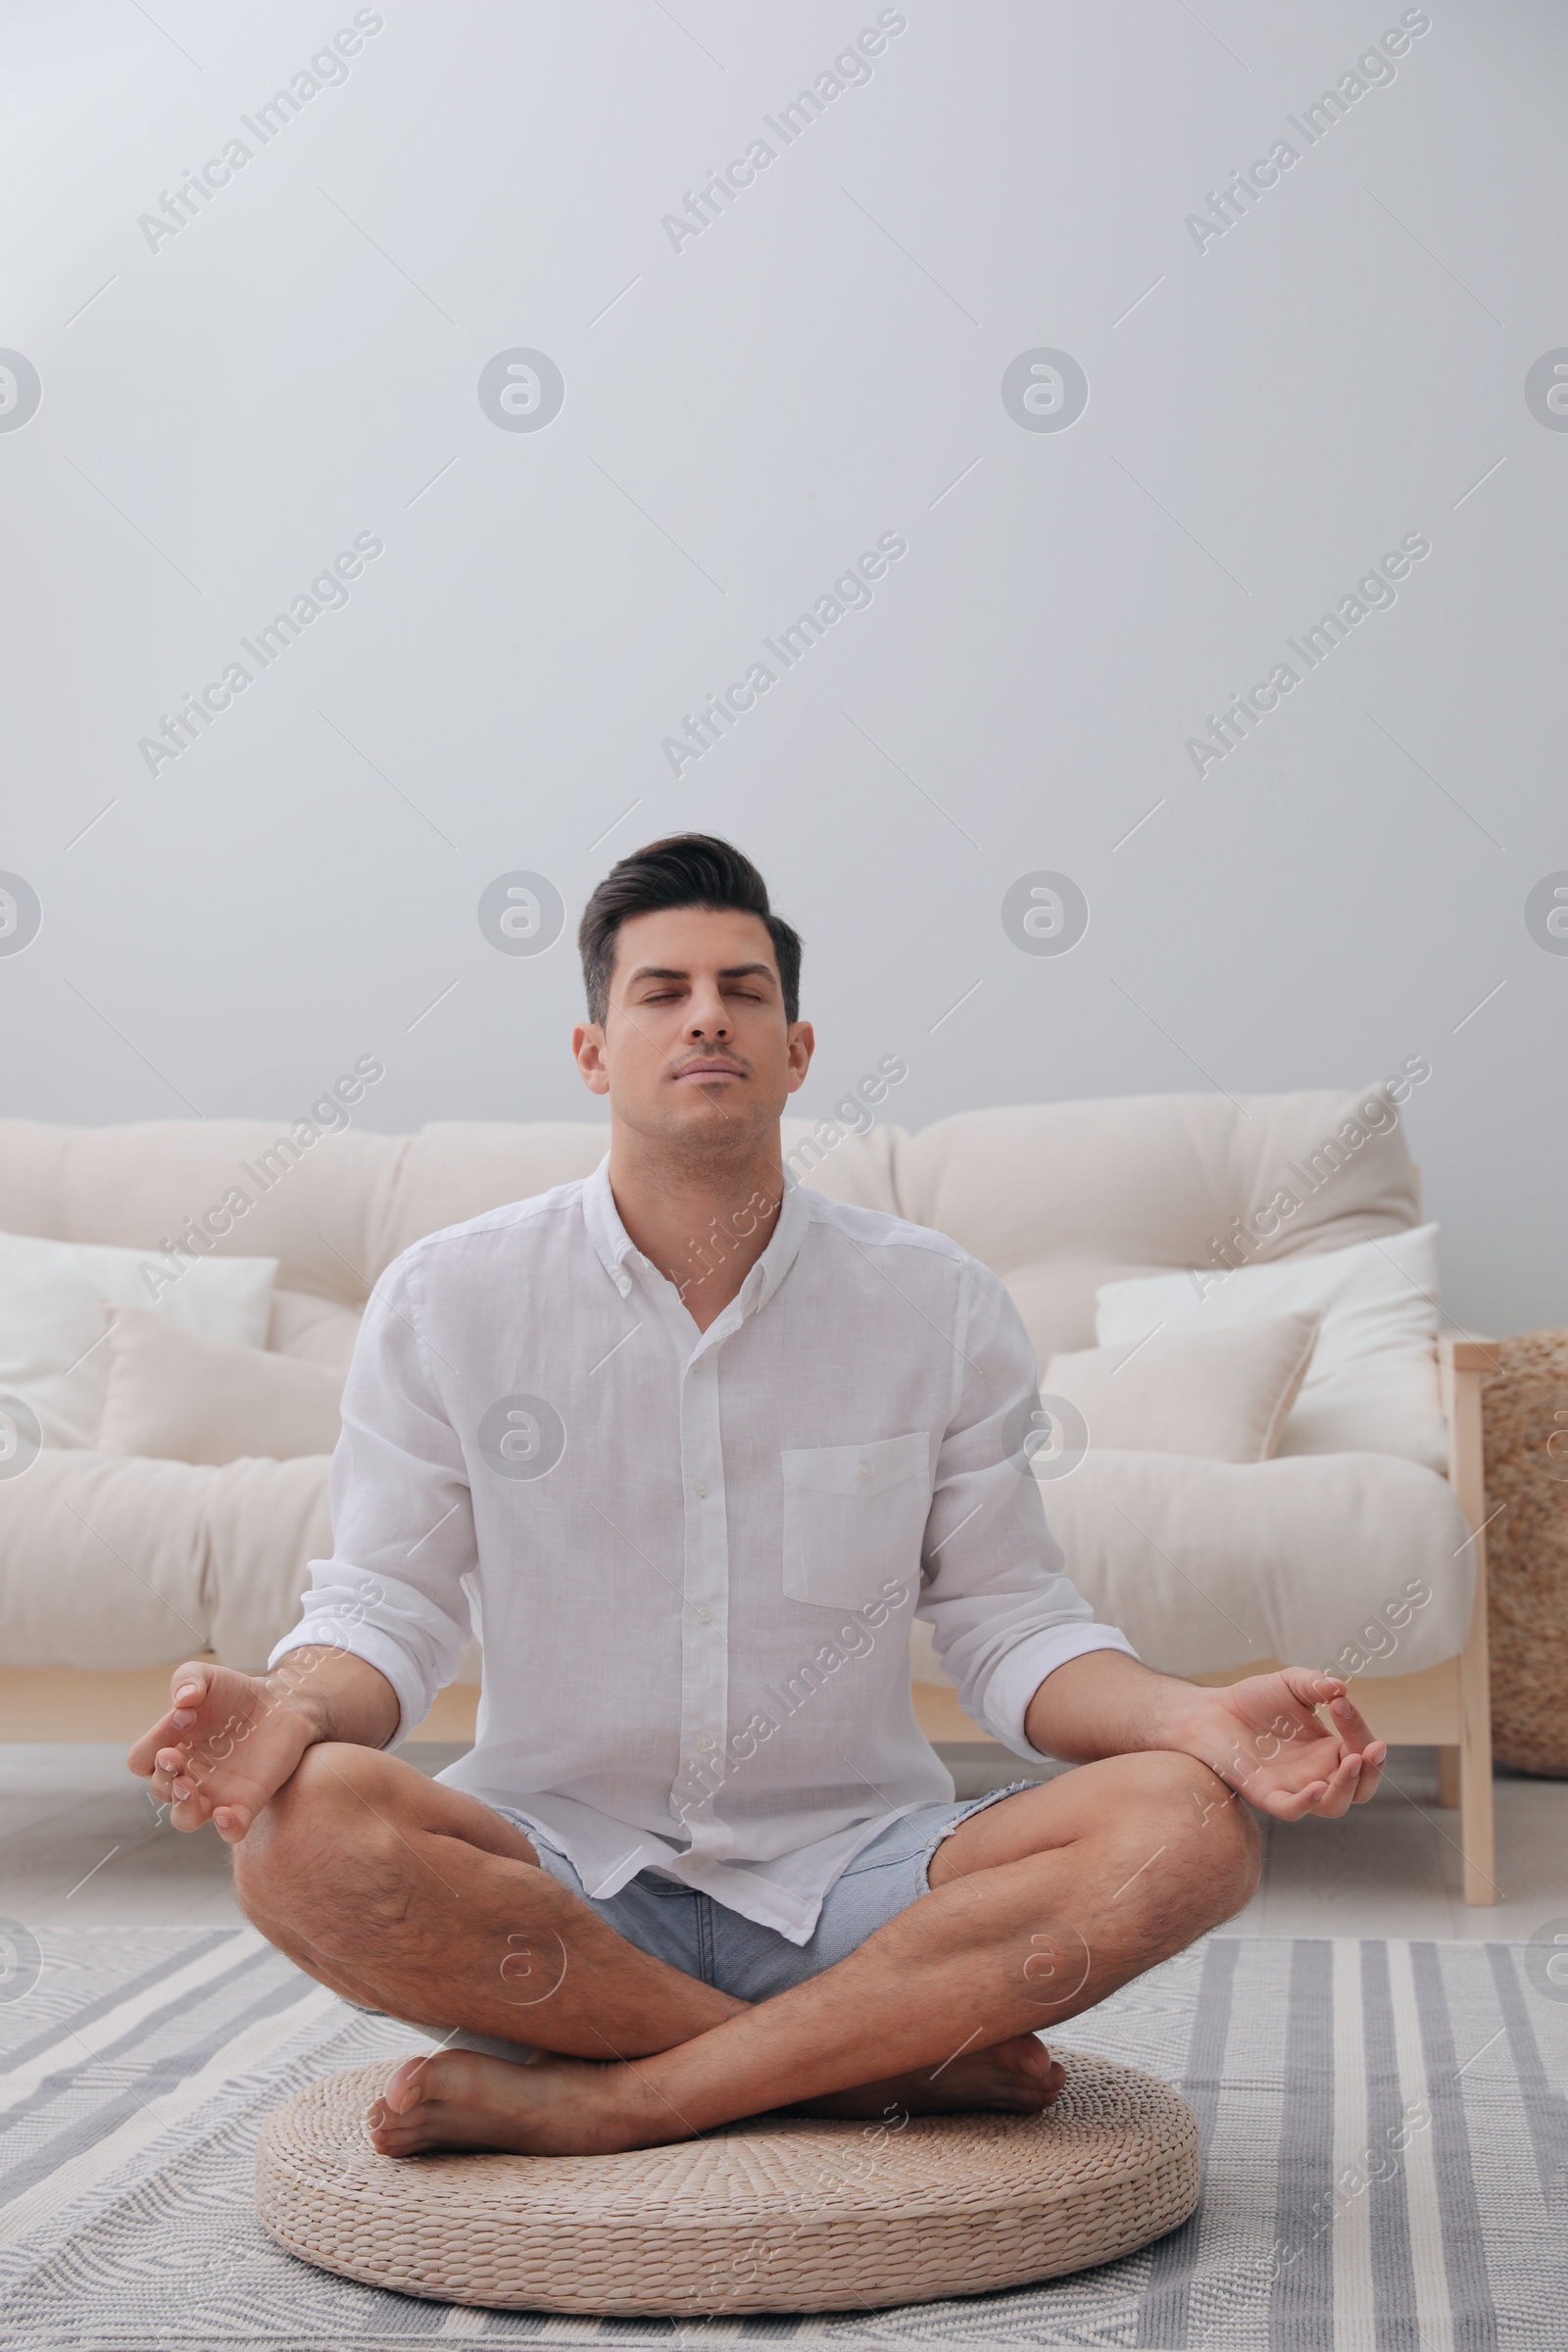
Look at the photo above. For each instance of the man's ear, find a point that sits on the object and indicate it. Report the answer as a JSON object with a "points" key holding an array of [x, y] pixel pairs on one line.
{"points": [[802, 1046], [588, 1052]]}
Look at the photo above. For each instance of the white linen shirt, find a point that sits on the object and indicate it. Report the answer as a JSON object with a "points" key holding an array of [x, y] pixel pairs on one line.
{"points": [[692, 1557]]}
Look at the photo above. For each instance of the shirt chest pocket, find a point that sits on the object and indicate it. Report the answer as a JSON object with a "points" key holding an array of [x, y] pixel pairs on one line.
{"points": [[854, 1516]]}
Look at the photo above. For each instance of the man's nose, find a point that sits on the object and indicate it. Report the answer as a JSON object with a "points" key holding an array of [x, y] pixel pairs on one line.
{"points": [[709, 1016]]}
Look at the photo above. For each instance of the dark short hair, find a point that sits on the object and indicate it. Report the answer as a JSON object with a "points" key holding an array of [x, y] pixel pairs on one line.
{"points": [[687, 870]]}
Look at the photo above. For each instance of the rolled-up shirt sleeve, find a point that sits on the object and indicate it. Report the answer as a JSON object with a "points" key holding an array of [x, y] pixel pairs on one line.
{"points": [[402, 1536], [1003, 1610]]}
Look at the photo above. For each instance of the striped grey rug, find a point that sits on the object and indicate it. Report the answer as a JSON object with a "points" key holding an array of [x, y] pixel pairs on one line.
{"points": [[1386, 2128]]}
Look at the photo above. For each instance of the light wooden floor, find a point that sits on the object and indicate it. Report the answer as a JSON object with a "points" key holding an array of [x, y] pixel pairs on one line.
{"points": [[78, 1840]]}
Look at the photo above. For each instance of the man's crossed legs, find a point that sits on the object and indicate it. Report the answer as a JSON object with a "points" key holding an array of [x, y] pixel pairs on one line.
{"points": [[408, 1897]]}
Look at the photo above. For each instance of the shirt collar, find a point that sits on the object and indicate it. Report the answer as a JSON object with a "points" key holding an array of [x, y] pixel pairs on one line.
{"points": [[789, 1232], [614, 1245]]}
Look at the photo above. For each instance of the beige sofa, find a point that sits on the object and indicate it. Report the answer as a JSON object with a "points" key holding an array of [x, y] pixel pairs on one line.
{"points": [[119, 1565]]}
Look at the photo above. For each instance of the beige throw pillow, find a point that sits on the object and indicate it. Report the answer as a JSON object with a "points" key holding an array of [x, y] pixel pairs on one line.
{"points": [[1222, 1394], [183, 1398]]}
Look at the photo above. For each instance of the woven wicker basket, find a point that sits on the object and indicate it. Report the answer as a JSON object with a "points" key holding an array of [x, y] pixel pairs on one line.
{"points": [[774, 2214], [1525, 1430]]}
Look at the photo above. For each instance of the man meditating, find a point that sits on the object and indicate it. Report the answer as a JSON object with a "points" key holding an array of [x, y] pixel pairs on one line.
{"points": [[688, 1446]]}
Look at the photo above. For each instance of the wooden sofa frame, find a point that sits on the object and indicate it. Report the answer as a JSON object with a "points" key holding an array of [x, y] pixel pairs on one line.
{"points": [[1446, 1707]]}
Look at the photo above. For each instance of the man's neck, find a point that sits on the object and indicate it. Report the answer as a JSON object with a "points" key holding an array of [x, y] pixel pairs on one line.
{"points": [[704, 1227]]}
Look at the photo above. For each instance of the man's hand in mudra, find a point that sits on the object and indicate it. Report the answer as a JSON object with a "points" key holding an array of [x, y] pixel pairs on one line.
{"points": [[230, 1740], [1267, 1739]]}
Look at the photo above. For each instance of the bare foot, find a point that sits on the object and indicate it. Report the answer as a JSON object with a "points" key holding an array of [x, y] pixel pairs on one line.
{"points": [[550, 2107], [1017, 2076], [557, 2106]]}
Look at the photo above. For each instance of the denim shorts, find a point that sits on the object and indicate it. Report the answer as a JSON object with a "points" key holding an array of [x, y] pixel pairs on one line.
{"points": [[703, 1938]]}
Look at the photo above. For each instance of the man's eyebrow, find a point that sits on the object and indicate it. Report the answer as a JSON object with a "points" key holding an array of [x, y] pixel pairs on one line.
{"points": [[730, 971]]}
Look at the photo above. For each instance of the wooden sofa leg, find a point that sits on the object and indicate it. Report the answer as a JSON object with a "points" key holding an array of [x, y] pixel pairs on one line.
{"points": [[1476, 1836], [1462, 1364], [1447, 1776]]}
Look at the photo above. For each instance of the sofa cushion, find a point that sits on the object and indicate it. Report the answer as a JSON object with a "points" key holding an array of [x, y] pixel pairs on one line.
{"points": [[307, 1196], [1223, 1394], [180, 1397], [1058, 1197], [112, 1560], [836, 1158], [314, 1331], [457, 1169], [1372, 1384], [1321, 1560]]}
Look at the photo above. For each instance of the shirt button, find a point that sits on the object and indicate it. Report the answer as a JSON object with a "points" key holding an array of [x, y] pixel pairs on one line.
{"points": [[701, 1489], [705, 1742], [864, 1469], [705, 1617]]}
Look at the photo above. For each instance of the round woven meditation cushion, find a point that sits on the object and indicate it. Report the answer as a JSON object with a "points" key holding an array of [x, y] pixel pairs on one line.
{"points": [[1525, 1434], [773, 2214]]}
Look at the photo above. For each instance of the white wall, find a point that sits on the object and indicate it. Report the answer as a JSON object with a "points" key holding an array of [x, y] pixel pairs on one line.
{"points": [[301, 359]]}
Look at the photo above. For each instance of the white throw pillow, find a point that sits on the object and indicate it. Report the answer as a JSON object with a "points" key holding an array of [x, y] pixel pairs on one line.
{"points": [[54, 1342], [1223, 1395], [1372, 1384], [180, 1397]]}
